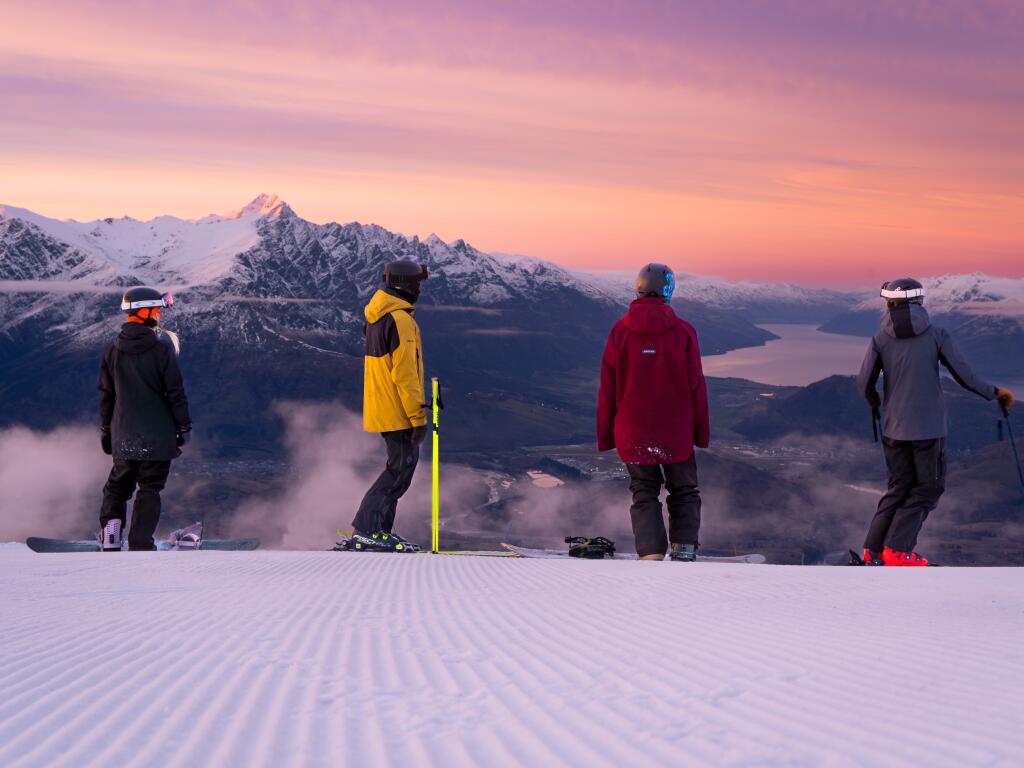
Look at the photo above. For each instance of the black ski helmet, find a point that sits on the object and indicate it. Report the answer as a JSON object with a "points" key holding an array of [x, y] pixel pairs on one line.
{"points": [[405, 277], [657, 280], [903, 290]]}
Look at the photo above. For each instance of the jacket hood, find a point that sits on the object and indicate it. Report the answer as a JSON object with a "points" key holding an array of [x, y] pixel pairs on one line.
{"points": [[384, 303], [650, 316], [905, 321], [136, 338]]}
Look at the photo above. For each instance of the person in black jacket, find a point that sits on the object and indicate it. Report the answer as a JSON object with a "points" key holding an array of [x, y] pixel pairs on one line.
{"points": [[144, 419]]}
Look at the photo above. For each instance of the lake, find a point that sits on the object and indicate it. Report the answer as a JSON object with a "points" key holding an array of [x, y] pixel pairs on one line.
{"points": [[801, 355]]}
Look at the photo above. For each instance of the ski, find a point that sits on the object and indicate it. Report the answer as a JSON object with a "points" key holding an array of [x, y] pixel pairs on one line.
{"points": [[557, 554]]}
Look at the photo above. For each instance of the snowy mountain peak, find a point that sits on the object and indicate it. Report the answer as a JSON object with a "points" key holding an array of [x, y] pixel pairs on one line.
{"points": [[973, 293], [263, 205]]}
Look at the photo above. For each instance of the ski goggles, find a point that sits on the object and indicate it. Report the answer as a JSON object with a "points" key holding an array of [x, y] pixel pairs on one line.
{"points": [[166, 300], [911, 293]]}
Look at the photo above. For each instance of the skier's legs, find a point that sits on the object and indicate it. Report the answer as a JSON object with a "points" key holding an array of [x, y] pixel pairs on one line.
{"points": [[406, 459], [899, 459], [151, 477], [381, 501], [645, 482], [929, 458], [683, 501], [119, 488]]}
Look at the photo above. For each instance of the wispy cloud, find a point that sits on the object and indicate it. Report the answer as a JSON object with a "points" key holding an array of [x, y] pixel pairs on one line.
{"points": [[745, 137]]}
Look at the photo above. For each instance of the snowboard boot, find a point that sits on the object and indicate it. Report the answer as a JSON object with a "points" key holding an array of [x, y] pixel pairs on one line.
{"points": [[382, 541], [110, 536], [652, 557], [590, 549], [892, 557], [684, 553]]}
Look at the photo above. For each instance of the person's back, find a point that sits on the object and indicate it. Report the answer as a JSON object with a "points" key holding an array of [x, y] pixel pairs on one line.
{"points": [[909, 350], [657, 374], [144, 418], [149, 404], [652, 407]]}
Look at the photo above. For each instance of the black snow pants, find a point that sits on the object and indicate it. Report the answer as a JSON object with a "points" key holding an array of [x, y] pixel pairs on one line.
{"points": [[379, 505], [917, 478], [645, 481], [150, 478]]}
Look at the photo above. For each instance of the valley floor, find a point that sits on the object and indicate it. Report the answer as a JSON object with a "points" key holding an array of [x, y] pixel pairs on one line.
{"points": [[319, 658]]}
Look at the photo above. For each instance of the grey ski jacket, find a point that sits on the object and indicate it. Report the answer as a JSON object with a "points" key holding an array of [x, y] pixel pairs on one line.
{"points": [[908, 350]]}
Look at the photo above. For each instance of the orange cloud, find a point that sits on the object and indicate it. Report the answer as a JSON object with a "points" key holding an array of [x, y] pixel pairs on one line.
{"points": [[828, 148]]}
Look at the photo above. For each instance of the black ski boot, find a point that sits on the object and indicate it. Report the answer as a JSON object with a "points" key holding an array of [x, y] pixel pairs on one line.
{"points": [[869, 558], [684, 553], [382, 541], [591, 549]]}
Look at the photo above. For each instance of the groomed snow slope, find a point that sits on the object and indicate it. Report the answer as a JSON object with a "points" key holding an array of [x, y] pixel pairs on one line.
{"points": [[287, 658]]}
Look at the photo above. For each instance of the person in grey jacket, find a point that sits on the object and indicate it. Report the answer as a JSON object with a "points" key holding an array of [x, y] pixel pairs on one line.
{"points": [[908, 350], [144, 418]]}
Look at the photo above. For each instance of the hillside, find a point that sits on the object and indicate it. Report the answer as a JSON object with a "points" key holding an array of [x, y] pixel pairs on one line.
{"points": [[309, 659], [984, 313], [269, 306]]}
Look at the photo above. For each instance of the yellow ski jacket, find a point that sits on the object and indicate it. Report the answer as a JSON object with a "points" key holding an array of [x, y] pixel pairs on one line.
{"points": [[393, 366]]}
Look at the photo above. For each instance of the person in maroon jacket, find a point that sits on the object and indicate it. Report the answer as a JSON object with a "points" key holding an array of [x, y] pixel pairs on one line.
{"points": [[653, 407]]}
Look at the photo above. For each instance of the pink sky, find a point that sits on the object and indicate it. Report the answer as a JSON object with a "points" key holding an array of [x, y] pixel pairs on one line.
{"points": [[825, 141]]}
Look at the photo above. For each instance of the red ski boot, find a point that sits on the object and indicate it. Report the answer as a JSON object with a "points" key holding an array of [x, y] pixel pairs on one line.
{"points": [[891, 557]]}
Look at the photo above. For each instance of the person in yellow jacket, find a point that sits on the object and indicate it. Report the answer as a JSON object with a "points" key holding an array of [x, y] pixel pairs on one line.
{"points": [[392, 403]]}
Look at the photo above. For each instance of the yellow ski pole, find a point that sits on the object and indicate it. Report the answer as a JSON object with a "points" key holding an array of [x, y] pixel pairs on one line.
{"points": [[435, 494]]}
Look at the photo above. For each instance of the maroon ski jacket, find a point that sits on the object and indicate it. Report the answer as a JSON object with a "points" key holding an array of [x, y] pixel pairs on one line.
{"points": [[653, 402]]}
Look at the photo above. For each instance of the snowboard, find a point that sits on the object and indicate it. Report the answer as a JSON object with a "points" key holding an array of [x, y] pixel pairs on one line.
{"points": [[345, 535], [43, 545], [559, 554]]}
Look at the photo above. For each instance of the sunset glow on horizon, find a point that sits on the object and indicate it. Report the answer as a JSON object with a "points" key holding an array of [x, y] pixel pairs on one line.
{"points": [[817, 141]]}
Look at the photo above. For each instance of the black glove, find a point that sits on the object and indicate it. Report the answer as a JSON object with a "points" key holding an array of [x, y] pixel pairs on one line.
{"points": [[105, 441], [183, 437], [419, 434]]}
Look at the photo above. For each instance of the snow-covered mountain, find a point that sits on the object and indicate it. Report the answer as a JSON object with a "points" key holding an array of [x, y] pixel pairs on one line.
{"points": [[985, 314], [237, 251], [270, 307], [271, 300], [757, 302], [971, 294]]}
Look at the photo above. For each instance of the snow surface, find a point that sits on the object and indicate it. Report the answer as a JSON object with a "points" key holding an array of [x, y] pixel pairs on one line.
{"points": [[321, 658]]}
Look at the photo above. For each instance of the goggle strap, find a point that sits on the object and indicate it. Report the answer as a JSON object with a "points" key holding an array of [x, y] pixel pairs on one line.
{"points": [[913, 293]]}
